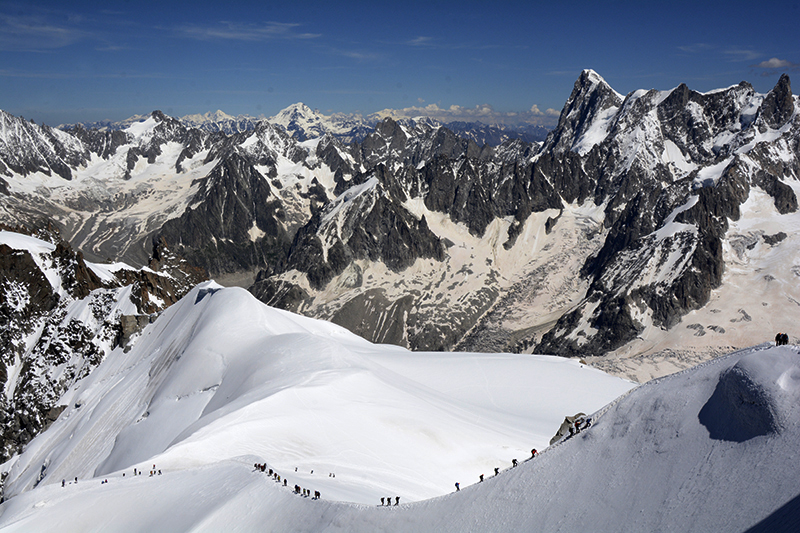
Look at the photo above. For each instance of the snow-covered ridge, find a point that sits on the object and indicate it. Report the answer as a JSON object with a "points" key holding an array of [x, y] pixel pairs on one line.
{"points": [[222, 377], [678, 453]]}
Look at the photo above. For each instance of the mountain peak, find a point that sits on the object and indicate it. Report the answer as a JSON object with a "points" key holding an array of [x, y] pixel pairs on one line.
{"points": [[592, 99], [778, 105], [208, 117], [295, 110], [590, 80], [303, 123], [592, 76]]}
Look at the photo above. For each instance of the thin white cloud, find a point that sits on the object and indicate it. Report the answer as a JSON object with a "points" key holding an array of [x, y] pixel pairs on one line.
{"points": [[19, 33], [480, 113], [732, 53], [420, 41], [739, 54], [236, 31], [696, 48], [82, 75], [355, 54]]}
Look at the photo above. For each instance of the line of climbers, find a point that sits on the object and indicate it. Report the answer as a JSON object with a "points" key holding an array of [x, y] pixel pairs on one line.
{"points": [[259, 467], [574, 425], [136, 472], [262, 467], [574, 428], [514, 463]]}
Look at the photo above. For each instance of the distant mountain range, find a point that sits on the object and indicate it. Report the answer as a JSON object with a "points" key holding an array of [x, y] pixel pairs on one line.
{"points": [[303, 123], [647, 224]]}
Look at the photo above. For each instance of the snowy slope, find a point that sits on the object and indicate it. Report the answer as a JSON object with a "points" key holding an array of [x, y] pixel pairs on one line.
{"points": [[222, 377], [677, 454]]}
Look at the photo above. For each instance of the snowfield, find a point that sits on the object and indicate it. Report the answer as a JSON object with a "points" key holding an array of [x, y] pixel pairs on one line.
{"points": [[220, 378], [221, 382]]}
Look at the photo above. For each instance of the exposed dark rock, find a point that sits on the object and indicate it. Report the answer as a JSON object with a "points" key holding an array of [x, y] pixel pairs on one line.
{"points": [[102, 143], [375, 228], [278, 293], [772, 240], [131, 325], [778, 106], [590, 97], [783, 195], [234, 201], [27, 148], [551, 222], [374, 317]]}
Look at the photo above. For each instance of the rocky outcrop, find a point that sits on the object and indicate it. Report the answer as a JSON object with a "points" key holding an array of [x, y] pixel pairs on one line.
{"points": [[59, 320], [278, 293], [370, 225], [778, 106], [236, 224], [102, 143], [26, 147], [166, 280]]}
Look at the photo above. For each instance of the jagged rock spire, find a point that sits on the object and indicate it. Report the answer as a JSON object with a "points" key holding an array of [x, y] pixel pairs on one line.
{"points": [[778, 105]]}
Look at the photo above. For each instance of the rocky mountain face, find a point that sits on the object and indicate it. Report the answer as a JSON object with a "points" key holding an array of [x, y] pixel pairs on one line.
{"points": [[61, 315], [672, 168], [26, 148], [616, 227]]}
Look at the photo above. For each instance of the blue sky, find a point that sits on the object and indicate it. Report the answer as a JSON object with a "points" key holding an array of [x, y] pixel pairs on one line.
{"points": [[84, 61]]}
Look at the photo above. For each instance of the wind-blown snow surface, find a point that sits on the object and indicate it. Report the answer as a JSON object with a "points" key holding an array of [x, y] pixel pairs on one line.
{"points": [[709, 449], [221, 381]]}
